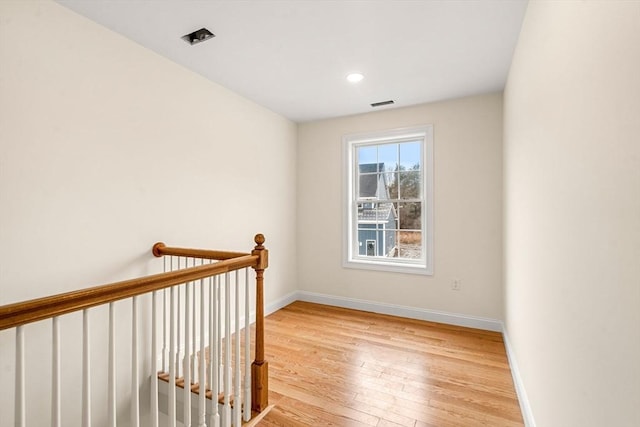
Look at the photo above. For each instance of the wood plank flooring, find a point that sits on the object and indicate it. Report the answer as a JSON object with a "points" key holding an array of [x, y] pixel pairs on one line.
{"points": [[335, 367]]}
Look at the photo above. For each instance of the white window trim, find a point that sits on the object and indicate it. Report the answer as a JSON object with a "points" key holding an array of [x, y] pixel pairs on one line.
{"points": [[353, 260]]}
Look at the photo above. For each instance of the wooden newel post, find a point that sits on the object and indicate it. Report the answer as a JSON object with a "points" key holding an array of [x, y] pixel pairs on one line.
{"points": [[259, 367]]}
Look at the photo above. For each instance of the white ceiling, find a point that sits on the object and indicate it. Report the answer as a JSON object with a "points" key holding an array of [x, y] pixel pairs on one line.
{"points": [[292, 56]]}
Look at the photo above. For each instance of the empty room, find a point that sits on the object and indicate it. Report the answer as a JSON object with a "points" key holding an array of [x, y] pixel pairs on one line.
{"points": [[307, 213]]}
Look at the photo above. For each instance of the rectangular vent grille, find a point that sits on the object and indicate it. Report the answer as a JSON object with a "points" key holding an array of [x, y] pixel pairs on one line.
{"points": [[380, 104]]}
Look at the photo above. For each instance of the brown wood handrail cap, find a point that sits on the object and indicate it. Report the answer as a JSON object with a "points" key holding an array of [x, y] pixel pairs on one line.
{"points": [[157, 248]]}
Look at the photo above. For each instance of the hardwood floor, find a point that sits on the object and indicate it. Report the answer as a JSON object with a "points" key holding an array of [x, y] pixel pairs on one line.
{"points": [[332, 366]]}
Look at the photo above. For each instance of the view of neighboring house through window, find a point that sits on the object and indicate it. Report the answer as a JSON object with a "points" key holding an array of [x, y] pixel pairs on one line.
{"points": [[390, 200]]}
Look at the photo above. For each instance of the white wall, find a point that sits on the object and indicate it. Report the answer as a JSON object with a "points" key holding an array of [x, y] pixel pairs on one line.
{"points": [[572, 212], [467, 214], [106, 148]]}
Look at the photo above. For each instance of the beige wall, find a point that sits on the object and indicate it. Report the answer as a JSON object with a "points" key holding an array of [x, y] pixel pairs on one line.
{"points": [[106, 148], [572, 212], [467, 214]]}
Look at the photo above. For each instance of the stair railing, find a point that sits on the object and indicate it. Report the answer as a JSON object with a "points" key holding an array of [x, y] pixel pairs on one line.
{"points": [[205, 289]]}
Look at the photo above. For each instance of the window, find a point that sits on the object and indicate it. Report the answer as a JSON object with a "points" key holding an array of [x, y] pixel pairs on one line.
{"points": [[389, 200]]}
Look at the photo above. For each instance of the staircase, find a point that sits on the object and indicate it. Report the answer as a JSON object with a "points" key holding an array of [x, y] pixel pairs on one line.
{"points": [[211, 413], [198, 315]]}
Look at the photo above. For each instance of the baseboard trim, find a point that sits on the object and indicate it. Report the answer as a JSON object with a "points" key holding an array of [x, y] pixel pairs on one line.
{"points": [[402, 311], [279, 303], [525, 408]]}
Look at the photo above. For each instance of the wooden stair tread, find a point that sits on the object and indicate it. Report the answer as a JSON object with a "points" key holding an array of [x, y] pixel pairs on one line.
{"points": [[195, 388]]}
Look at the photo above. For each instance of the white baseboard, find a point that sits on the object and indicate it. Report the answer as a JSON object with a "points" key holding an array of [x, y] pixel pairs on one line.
{"points": [[402, 311], [525, 408], [278, 304]]}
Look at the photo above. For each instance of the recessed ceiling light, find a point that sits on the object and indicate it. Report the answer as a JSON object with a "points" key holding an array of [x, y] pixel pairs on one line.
{"points": [[355, 77], [198, 36]]}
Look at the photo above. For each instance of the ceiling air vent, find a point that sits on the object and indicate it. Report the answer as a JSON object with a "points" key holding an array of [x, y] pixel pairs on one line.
{"points": [[380, 104], [198, 36]]}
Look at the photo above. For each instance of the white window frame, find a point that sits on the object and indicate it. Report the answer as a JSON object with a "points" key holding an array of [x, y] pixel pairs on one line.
{"points": [[351, 258]]}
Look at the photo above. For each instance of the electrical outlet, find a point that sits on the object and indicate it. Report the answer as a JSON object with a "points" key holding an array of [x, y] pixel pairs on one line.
{"points": [[456, 284]]}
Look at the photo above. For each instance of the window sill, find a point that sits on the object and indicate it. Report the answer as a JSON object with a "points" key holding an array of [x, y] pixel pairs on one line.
{"points": [[391, 267]]}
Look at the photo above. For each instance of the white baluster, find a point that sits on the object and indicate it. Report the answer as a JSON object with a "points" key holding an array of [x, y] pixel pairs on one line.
{"points": [[154, 360], [186, 360], [172, 360], [56, 414], [219, 365], [20, 409], [247, 348], [214, 420], [237, 406], [135, 395], [86, 371], [194, 334], [227, 350], [210, 329], [111, 381], [202, 409], [179, 330], [165, 318]]}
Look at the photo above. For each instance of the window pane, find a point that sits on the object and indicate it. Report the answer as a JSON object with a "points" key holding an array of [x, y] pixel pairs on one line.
{"points": [[366, 213], [411, 216], [386, 215], [368, 182], [392, 243], [367, 154], [396, 215], [410, 185], [392, 182], [410, 244], [410, 158], [388, 157]]}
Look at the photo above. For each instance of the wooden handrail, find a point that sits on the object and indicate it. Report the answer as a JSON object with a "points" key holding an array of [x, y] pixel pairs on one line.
{"points": [[21, 313], [159, 249]]}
